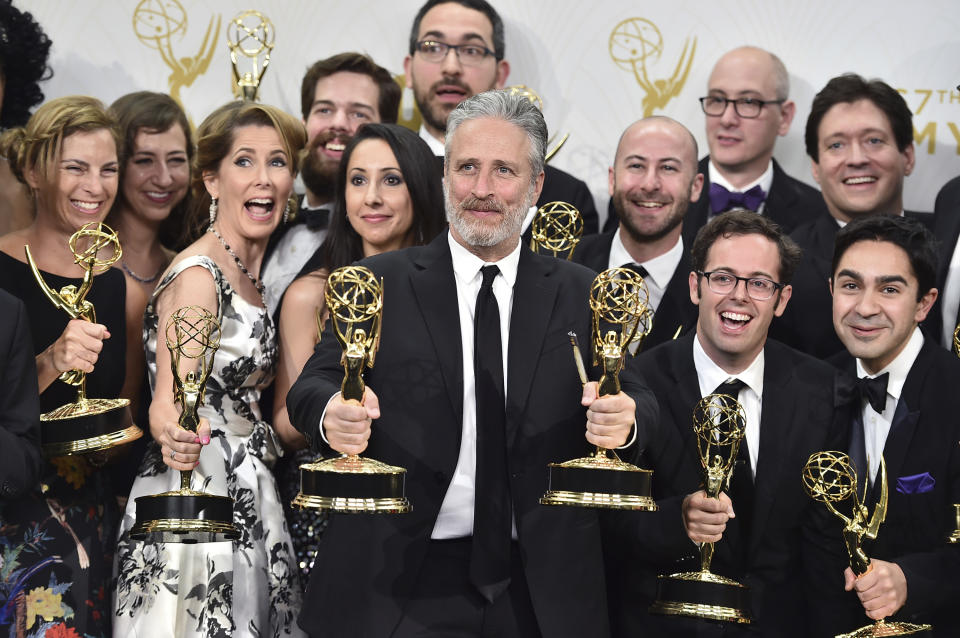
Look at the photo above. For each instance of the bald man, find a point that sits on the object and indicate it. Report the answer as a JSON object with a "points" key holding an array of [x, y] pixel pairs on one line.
{"points": [[652, 183], [747, 107]]}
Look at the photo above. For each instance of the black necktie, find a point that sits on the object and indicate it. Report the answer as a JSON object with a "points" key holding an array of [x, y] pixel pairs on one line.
{"points": [[315, 218], [741, 483], [874, 390], [637, 268], [490, 550]]}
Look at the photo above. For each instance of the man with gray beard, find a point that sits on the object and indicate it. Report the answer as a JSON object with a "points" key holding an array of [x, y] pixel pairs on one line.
{"points": [[652, 181], [474, 392]]}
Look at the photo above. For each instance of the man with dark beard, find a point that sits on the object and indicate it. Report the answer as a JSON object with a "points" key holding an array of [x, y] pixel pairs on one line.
{"points": [[652, 182], [456, 51], [474, 392], [338, 95]]}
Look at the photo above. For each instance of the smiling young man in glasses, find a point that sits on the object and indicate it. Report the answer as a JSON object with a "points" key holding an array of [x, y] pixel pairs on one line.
{"points": [[456, 50], [741, 268], [747, 107]]}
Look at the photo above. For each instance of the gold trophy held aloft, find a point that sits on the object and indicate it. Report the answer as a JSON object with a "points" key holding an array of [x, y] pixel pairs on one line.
{"points": [[250, 37], [186, 515], [719, 425], [556, 230], [830, 477], [350, 483], [619, 301], [86, 425]]}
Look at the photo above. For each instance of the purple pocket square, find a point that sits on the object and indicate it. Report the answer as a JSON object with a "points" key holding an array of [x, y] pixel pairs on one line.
{"points": [[916, 484]]}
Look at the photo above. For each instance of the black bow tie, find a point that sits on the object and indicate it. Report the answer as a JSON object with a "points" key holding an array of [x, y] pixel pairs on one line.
{"points": [[315, 218], [873, 390]]}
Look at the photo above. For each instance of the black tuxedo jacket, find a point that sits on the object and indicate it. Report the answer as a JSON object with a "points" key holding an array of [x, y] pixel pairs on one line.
{"points": [[19, 402], [790, 203], [675, 312], [785, 549], [367, 565], [924, 438], [807, 322], [946, 228]]}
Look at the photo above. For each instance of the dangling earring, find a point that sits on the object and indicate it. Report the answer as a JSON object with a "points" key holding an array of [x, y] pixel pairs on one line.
{"points": [[286, 213], [213, 210]]}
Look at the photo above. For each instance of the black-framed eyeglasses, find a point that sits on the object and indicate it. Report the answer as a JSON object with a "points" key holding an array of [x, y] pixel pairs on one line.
{"points": [[723, 283], [468, 54], [748, 107]]}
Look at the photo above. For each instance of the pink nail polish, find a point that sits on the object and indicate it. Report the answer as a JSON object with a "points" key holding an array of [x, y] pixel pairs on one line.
{"points": [[206, 440], [196, 439]]}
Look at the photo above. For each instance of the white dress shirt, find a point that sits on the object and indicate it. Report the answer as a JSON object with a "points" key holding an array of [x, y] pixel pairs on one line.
{"points": [[876, 427], [455, 519], [765, 181], [710, 376], [288, 257], [660, 269]]}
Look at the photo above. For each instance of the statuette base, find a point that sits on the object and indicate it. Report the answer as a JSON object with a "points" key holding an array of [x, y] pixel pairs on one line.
{"points": [[353, 485], [702, 595]]}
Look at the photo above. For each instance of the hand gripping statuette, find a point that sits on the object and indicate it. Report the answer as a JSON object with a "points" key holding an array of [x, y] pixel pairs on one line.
{"points": [[556, 230], [719, 424], [186, 515], [830, 477], [250, 37], [621, 317], [350, 483], [86, 425]]}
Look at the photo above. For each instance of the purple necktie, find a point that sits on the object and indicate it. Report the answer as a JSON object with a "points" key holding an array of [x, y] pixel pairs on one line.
{"points": [[722, 200]]}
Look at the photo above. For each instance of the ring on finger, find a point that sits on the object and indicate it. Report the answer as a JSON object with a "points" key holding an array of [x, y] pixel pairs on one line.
{"points": [[173, 455]]}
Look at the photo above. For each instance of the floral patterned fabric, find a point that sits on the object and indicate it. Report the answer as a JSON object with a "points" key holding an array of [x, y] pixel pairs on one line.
{"points": [[248, 587]]}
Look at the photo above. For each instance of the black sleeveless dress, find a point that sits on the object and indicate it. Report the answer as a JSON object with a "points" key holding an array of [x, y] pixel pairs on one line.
{"points": [[58, 541]]}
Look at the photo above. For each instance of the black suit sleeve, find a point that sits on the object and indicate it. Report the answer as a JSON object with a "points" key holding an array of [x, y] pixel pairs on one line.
{"points": [[19, 403]]}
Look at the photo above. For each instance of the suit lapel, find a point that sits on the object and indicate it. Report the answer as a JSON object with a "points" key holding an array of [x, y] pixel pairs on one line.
{"points": [[534, 296], [685, 398], [780, 198], [778, 409], [675, 311], [434, 286]]}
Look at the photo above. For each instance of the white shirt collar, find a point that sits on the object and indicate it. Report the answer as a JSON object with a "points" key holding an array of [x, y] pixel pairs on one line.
{"points": [[435, 145], [466, 265], [711, 375], [765, 181], [842, 223], [660, 268], [899, 368]]}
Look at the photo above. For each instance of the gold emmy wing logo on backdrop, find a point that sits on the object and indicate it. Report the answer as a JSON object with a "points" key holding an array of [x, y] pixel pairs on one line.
{"points": [[636, 43], [156, 22]]}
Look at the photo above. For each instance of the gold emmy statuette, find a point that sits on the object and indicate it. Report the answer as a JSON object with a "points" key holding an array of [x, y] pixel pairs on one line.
{"points": [[719, 425], [156, 22], [634, 44], [186, 515], [535, 99], [556, 230], [250, 37], [830, 477], [350, 483], [955, 535], [619, 301], [86, 425]]}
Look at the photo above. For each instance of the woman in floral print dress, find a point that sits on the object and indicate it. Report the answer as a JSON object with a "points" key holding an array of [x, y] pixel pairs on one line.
{"points": [[246, 160]]}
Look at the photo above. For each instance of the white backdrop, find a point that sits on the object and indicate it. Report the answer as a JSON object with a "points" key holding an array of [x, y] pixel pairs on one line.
{"points": [[561, 48]]}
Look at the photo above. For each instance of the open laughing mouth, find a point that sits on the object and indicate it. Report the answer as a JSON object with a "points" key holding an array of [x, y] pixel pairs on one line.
{"points": [[86, 207], [860, 179], [260, 208], [734, 321]]}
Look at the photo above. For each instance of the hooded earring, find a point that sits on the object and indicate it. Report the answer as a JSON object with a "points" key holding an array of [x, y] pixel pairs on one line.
{"points": [[286, 213], [213, 210]]}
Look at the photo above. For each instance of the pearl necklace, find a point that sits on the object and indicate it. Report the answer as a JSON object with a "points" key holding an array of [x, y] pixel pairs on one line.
{"points": [[256, 282]]}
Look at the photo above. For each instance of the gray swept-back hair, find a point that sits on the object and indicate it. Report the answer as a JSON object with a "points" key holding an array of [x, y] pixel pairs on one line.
{"points": [[509, 107]]}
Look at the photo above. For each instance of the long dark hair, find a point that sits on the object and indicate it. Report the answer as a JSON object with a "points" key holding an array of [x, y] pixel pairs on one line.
{"points": [[422, 175], [153, 113]]}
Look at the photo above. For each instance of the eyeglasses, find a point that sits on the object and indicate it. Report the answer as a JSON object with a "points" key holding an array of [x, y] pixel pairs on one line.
{"points": [[748, 107], [722, 283], [468, 54]]}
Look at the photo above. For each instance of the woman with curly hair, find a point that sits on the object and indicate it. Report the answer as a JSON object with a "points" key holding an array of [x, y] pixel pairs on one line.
{"points": [[24, 49]]}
